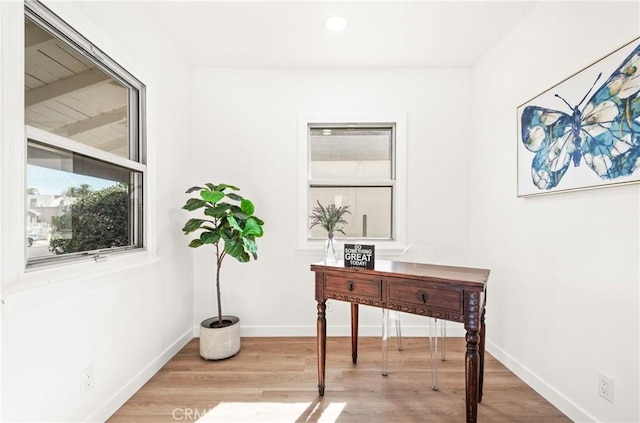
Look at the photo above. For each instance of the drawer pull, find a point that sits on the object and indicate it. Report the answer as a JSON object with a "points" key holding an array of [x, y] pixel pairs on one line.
{"points": [[350, 286], [422, 296]]}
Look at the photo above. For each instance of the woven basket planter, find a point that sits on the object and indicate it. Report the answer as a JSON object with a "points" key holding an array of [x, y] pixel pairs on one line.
{"points": [[219, 343]]}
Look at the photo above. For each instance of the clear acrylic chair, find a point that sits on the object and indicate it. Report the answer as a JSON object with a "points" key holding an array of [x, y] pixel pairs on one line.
{"points": [[419, 252]]}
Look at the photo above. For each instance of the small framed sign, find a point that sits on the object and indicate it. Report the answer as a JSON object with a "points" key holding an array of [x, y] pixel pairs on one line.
{"points": [[358, 255]]}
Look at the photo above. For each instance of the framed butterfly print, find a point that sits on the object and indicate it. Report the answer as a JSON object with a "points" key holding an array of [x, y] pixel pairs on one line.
{"points": [[585, 131]]}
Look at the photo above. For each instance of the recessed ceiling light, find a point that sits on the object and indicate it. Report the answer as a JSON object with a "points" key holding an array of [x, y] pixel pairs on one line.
{"points": [[336, 23]]}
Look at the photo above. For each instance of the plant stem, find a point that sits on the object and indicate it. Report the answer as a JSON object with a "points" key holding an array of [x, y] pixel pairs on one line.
{"points": [[219, 258]]}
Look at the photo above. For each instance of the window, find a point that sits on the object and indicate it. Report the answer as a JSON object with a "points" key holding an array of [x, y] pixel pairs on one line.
{"points": [[84, 126], [354, 165]]}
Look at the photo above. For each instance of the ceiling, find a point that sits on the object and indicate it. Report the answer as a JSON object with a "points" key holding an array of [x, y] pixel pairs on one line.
{"points": [[293, 34], [69, 96]]}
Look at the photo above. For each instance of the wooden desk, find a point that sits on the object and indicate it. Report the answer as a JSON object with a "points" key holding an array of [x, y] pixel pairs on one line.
{"points": [[444, 292]]}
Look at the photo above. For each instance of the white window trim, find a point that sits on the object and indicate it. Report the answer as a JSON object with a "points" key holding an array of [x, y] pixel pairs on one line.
{"points": [[22, 287], [400, 191]]}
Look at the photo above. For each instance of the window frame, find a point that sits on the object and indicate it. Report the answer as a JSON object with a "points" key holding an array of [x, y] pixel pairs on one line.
{"points": [[389, 182], [136, 109], [391, 246], [65, 144]]}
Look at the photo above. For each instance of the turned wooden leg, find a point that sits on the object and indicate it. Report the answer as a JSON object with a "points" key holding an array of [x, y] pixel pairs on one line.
{"points": [[354, 333], [322, 344], [471, 364], [483, 337], [472, 357]]}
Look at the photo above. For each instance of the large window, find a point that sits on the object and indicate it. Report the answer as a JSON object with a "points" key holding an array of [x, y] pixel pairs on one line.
{"points": [[354, 165], [84, 125]]}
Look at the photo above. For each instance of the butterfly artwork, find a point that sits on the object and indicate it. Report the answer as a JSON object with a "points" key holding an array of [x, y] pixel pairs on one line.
{"points": [[601, 133]]}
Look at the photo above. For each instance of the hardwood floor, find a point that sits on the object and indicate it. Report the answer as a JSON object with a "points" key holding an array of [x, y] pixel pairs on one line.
{"points": [[275, 380]]}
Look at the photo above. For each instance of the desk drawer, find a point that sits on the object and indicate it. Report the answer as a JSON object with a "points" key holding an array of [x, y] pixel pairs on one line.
{"points": [[355, 287], [431, 297]]}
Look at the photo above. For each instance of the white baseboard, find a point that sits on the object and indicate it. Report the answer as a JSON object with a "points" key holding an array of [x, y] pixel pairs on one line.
{"points": [[564, 404], [338, 330], [116, 401]]}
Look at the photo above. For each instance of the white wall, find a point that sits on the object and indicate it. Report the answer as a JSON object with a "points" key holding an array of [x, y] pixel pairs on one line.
{"points": [[563, 293], [124, 319], [563, 296], [245, 132]]}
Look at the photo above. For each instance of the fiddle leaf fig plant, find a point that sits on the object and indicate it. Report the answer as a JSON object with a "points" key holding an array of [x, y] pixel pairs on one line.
{"points": [[227, 222]]}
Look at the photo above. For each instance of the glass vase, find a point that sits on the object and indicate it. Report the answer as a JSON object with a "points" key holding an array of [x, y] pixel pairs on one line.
{"points": [[330, 251]]}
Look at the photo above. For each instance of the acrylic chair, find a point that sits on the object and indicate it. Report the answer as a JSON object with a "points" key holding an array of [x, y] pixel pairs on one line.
{"points": [[419, 252]]}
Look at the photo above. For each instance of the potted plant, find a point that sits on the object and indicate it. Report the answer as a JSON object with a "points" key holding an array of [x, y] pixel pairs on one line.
{"points": [[331, 218], [228, 224]]}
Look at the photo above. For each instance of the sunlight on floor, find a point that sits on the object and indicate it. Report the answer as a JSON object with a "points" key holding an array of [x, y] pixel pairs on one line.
{"points": [[264, 412]]}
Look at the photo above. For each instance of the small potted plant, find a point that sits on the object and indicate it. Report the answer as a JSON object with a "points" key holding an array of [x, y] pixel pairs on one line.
{"points": [[228, 224], [331, 218]]}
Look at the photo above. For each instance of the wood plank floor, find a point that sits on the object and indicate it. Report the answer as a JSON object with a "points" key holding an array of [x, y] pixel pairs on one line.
{"points": [[275, 380]]}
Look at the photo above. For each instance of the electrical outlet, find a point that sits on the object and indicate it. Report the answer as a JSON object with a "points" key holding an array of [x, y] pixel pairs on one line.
{"points": [[605, 387], [329, 306], [87, 379]]}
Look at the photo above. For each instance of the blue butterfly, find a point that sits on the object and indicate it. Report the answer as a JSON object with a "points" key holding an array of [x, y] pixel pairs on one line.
{"points": [[606, 132]]}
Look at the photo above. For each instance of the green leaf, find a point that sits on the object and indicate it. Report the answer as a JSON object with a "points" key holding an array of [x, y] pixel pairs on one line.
{"points": [[251, 246], [226, 233], [234, 223], [222, 187], [219, 210], [211, 196], [252, 228], [192, 225], [234, 248], [234, 196], [190, 190], [209, 237], [239, 215], [194, 204], [247, 206], [195, 243]]}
